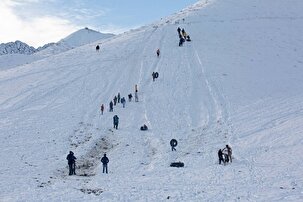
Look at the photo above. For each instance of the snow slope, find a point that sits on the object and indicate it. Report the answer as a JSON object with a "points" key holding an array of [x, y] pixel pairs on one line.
{"points": [[238, 82]]}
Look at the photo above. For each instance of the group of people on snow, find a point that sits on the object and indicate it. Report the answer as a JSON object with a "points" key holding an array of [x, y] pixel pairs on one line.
{"points": [[117, 99], [225, 155], [71, 160], [183, 36]]}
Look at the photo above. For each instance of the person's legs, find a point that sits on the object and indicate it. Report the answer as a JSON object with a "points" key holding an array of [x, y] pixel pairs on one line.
{"points": [[229, 156], [70, 169], [74, 168]]}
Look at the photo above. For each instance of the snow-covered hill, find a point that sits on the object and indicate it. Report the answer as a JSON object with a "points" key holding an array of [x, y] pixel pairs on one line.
{"points": [[76, 39], [237, 82], [18, 53]]}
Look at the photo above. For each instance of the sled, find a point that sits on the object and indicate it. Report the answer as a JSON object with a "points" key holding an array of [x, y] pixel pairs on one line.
{"points": [[177, 164]]}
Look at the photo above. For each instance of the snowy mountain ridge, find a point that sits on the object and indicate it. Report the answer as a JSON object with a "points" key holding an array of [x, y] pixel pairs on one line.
{"points": [[16, 47], [238, 82]]}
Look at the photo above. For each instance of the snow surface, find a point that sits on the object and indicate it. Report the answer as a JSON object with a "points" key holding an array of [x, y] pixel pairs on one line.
{"points": [[238, 82]]}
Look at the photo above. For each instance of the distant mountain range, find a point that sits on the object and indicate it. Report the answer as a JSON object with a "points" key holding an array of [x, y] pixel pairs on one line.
{"points": [[16, 47], [78, 38]]}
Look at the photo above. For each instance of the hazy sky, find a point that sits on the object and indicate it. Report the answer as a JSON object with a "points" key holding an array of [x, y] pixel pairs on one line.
{"points": [[38, 22]]}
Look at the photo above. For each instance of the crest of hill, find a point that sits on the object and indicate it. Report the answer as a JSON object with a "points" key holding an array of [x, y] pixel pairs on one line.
{"points": [[76, 39], [82, 37]]}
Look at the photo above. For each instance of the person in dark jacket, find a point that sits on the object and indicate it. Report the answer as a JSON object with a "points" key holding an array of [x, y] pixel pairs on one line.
{"points": [[111, 106], [173, 144], [116, 121], [104, 161], [158, 52], [102, 109], [220, 155], [179, 30], [181, 41], [123, 101], [130, 97], [115, 100], [71, 159], [118, 97]]}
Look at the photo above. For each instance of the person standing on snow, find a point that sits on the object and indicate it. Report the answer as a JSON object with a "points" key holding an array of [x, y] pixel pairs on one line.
{"points": [[71, 160], [104, 161], [229, 152], [130, 97], [97, 48], [220, 156], [102, 109], [173, 144], [118, 97], [116, 122], [154, 76], [115, 100], [111, 106], [136, 96], [123, 101], [158, 52]]}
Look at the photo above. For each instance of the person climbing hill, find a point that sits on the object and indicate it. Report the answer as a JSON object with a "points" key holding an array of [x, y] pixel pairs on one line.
{"points": [[116, 122], [136, 97], [123, 101], [115, 100], [158, 52], [130, 97], [111, 106], [102, 109], [118, 97]]}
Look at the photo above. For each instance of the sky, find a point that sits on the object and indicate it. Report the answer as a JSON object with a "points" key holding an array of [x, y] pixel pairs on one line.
{"points": [[37, 22]]}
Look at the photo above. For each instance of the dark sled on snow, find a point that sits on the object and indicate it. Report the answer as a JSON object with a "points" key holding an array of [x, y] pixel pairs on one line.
{"points": [[177, 164]]}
